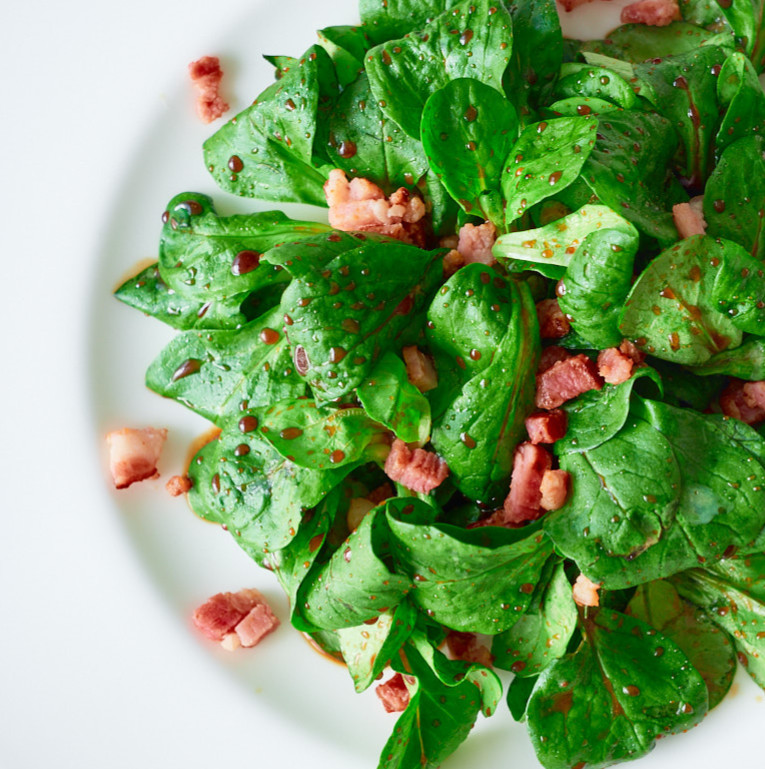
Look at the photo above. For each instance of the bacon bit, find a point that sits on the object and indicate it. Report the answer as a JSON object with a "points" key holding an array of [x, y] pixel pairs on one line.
{"points": [[554, 489], [206, 75], [465, 646], [419, 369], [178, 484], [393, 694], [524, 502], [569, 5], [550, 356], [565, 380], [357, 509], [586, 592], [133, 454], [614, 366], [688, 220], [553, 324], [744, 401], [418, 470], [547, 426], [449, 241], [259, 622], [654, 13], [476, 242], [245, 614], [381, 493], [452, 262], [231, 642], [360, 205], [638, 357]]}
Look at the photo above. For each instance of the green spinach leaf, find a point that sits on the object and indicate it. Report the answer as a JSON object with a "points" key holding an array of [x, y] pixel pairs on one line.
{"points": [[355, 585], [267, 151], [472, 39], [473, 580], [542, 634], [611, 698], [214, 372], [739, 291], [708, 649], [341, 315], [734, 199], [546, 159], [483, 420], [468, 129], [670, 313], [392, 400]]}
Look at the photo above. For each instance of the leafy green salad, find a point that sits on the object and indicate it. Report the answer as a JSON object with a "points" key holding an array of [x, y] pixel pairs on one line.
{"points": [[290, 340]]}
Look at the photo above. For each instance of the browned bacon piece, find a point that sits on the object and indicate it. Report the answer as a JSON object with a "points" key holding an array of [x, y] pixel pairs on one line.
{"points": [[616, 364], [360, 205], [546, 426], [569, 5], [133, 454], [419, 369], [586, 592], [655, 13], [418, 470], [206, 75], [465, 646], [244, 614], [554, 489], [565, 380], [178, 484], [476, 242], [452, 262], [688, 219], [744, 401], [524, 502], [550, 356], [553, 324], [393, 694]]}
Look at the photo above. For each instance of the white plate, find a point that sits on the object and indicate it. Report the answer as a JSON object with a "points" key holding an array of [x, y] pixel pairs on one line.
{"points": [[107, 671]]}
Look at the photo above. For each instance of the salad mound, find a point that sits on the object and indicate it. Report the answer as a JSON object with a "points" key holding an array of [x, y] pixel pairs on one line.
{"points": [[517, 389]]}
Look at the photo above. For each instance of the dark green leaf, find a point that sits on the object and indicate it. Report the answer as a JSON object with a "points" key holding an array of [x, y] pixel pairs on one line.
{"points": [[638, 42], [321, 438], [596, 284], [345, 313], [474, 39], [734, 199], [547, 157], [542, 634], [395, 18], [596, 416], [477, 580], [518, 694], [613, 697], [627, 170], [744, 362], [355, 585], [241, 481], [392, 400], [208, 257], [445, 701], [670, 313], [740, 91], [598, 82], [213, 372], [346, 47], [537, 51], [685, 94], [709, 650], [363, 142], [266, 151], [468, 129], [484, 419]]}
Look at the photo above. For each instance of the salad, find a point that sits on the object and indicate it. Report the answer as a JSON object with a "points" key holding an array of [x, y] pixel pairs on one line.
{"points": [[512, 396]]}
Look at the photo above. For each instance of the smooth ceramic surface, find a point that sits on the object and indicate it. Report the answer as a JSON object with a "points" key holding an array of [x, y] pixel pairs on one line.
{"points": [[101, 667]]}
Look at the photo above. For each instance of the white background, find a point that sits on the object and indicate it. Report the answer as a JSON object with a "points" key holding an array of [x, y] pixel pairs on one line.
{"points": [[98, 664]]}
